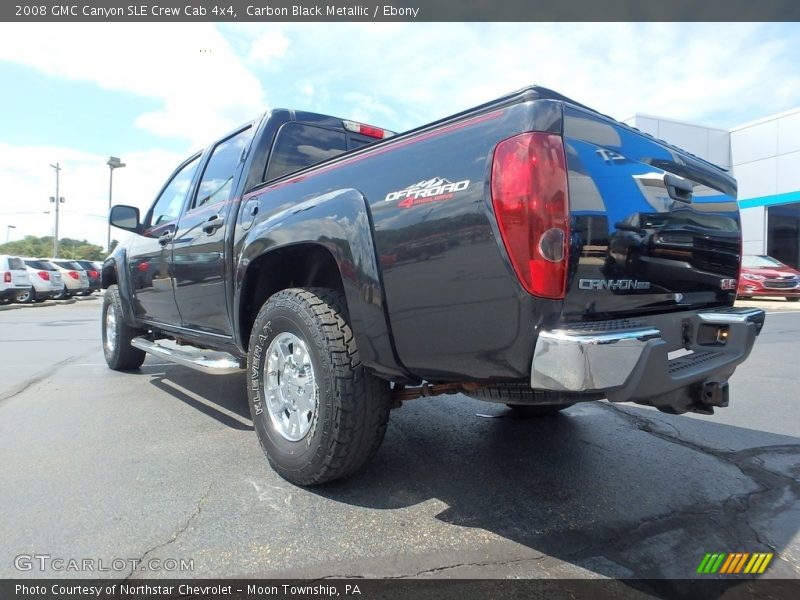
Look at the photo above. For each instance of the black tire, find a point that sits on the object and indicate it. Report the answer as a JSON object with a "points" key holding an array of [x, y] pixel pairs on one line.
{"points": [[352, 405], [27, 297], [529, 402], [792, 298], [120, 355]]}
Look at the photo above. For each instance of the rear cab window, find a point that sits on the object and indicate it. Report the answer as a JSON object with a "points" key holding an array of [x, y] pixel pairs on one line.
{"points": [[299, 145]]}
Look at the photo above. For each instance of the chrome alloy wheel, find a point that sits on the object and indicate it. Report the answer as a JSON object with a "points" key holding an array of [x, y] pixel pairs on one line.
{"points": [[111, 329], [290, 386]]}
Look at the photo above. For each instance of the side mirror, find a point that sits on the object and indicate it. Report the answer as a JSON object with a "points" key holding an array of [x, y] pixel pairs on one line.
{"points": [[125, 217]]}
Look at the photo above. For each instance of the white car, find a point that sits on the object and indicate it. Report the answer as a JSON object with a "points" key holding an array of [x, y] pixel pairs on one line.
{"points": [[13, 278], [75, 278], [44, 281]]}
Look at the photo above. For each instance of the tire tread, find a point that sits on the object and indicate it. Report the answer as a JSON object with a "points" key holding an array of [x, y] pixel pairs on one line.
{"points": [[362, 410]]}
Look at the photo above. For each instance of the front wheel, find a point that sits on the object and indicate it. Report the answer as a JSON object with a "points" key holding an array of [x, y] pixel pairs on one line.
{"points": [[318, 413], [117, 335]]}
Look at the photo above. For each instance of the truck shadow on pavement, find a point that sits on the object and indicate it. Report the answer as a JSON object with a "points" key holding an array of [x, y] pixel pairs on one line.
{"points": [[621, 493], [221, 398]]}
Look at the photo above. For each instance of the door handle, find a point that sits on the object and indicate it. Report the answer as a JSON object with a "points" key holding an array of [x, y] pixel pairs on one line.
{"points": [[677, 188], [166, 237], [214, 222]]}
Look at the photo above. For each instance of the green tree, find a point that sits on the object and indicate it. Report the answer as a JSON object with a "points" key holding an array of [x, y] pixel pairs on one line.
{"points": [[69, 248]]}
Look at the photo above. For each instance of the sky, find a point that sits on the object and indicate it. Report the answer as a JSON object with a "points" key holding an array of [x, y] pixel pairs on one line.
{"points": [[152, 93]]}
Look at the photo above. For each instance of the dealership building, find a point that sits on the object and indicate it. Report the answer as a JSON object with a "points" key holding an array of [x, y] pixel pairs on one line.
{"points": [[764, 157]]}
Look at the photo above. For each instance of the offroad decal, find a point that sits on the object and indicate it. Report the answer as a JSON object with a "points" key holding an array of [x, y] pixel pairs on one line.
{"points": [[426, 191]]}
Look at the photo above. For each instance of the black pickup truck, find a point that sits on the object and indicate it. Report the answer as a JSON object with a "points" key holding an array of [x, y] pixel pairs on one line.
{"points": [[529, 251]]}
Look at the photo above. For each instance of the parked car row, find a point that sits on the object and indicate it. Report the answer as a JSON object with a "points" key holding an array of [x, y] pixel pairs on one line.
{"points": [[25, 280]]}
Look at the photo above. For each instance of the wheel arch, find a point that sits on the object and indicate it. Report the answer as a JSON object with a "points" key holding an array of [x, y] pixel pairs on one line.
{"points": [[113, 273], [325, 241]]}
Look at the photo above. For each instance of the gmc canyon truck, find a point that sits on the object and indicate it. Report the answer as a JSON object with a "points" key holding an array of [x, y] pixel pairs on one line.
{"points": [[529, 251]]}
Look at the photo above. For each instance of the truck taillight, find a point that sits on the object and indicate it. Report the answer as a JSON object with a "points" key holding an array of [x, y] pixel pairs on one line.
{"points": [[530, 198], [7, 277], [44, 275], [74, 275]]}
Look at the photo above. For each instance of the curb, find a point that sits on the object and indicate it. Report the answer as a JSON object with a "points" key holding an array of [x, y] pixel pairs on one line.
{"points": [[62, 302], [39, 304], [47, 303]]}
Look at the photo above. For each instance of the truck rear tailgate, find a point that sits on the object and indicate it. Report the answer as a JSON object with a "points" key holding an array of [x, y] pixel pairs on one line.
{"points": [[652, 228]]}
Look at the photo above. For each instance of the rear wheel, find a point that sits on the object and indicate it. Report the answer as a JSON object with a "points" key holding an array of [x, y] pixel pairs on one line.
{"points": [[27, 297], [318, 413], [117, 335]]}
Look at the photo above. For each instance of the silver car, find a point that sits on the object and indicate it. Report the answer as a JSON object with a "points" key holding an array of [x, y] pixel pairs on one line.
{"points": [[44, 281], [75, 278]]}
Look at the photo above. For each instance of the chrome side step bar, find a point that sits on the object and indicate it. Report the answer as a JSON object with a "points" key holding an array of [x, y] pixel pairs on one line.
{"points": [[212, 362]]}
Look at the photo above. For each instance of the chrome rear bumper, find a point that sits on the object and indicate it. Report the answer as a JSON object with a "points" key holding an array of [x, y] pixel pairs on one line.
{"points": [[630, 360]]}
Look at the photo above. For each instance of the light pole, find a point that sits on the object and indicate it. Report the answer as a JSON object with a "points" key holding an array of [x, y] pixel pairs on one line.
{"points": [[8, 231], [57, 200], [113, 163]]}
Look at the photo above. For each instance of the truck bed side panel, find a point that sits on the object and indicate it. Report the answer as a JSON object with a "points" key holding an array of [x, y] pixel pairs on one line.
{"points": [[456, 309]]}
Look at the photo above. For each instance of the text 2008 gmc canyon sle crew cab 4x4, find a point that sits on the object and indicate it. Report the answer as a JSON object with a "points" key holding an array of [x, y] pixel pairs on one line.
{"points": [[530, 251]]}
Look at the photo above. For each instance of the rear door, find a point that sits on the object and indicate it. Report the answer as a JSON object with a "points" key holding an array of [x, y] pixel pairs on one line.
{"points": [[198, 248], [653, 228]]}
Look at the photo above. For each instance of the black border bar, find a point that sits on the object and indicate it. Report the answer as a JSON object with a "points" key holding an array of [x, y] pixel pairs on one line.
{"points": [[270, 11], [732, 588]]}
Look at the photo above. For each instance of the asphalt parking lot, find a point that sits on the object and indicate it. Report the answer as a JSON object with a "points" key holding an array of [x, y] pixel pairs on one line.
{"points": [[163, 464]]}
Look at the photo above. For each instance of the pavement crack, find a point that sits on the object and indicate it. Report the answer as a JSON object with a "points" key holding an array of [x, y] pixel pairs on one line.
{"points": [[735, 514], [468, 564], [741, 459], [439, 569], [41, 376], [175, 534]]}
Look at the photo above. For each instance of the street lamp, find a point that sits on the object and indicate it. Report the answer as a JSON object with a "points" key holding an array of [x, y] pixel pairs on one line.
{"points": [[57, 200], [113, 163], [8, 231]]}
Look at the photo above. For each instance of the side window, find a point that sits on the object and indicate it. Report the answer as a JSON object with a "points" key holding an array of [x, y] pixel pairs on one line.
{"points": [[298, 146], [215, 186], [168, 206]]}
